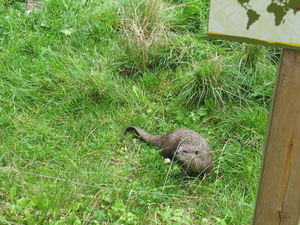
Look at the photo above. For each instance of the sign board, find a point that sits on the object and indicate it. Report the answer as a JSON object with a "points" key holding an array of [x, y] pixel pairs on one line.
{"points": [[266, 22], [276, 23]]}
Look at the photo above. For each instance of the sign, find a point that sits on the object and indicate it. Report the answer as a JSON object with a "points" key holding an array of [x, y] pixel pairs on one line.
{"points": [[266, 22]]}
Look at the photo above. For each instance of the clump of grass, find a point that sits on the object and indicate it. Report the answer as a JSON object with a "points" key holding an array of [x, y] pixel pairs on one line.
{"points": [[250, 57], [192, 17], [205, 82], [212, 77], [145, 26]]}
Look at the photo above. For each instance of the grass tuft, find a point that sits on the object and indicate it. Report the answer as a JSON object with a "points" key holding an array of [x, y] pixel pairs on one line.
{"points": [[145, 26]]}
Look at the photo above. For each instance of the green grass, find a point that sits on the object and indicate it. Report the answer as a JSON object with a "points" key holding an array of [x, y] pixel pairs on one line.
{"points": [[75, 73]]}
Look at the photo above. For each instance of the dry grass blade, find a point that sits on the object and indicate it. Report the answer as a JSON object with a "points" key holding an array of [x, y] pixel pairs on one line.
{"points": [[33, 4], [146, 28]]}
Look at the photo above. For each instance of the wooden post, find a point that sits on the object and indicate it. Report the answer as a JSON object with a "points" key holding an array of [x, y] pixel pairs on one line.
{"points": [[278, 199]]}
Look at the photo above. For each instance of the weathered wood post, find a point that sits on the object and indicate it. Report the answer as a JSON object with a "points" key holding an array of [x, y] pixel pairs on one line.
{"points": [[278, 200], [273, 23]]}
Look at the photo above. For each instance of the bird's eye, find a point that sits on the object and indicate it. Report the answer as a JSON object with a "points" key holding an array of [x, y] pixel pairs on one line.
{"points": [[184, 151], [196, 152]]}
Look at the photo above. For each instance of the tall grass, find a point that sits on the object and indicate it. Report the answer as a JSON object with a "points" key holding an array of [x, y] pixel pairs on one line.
{"points": [[145, 27], [64, 101]]}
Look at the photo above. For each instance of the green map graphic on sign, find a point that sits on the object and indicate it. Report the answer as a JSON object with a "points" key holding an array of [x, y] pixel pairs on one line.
{"points": [[278, 7], [270, 22]]}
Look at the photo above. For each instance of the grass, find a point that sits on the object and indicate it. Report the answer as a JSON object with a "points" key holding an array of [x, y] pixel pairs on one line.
{"points": [[75, 73]]}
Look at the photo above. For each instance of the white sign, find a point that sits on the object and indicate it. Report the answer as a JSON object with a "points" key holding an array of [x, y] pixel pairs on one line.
{"points": [[268, 22]]}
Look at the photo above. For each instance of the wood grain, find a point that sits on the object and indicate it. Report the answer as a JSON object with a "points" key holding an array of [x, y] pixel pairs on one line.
{"points": [[278, 200]]}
